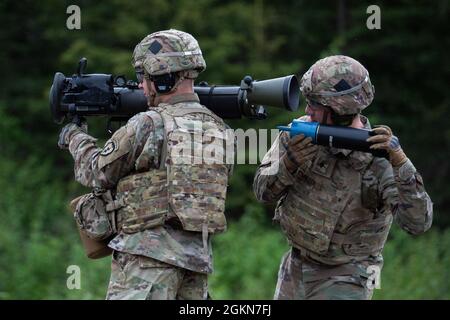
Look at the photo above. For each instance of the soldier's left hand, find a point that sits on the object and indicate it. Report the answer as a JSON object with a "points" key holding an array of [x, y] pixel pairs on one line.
{"points": [[385, 139], [67, 133]]}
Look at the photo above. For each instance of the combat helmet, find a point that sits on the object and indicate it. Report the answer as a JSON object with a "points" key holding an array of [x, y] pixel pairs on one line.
{"points": [[171, 51], [340, 83]]}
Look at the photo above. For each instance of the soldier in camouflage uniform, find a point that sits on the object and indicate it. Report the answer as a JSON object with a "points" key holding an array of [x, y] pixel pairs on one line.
{"points": [[336, 206], [168, 199]]}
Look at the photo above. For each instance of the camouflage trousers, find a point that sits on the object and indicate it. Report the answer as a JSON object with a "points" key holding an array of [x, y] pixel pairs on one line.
{"points": [[136, 277], [299, 279]]}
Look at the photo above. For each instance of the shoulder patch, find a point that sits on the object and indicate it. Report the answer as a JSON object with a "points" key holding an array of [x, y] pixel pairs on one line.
{"points": [[109, 148]]}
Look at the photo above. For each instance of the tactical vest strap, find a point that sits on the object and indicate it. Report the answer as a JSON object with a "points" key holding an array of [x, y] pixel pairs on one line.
{"points": [[163, 155], [205, 236]]}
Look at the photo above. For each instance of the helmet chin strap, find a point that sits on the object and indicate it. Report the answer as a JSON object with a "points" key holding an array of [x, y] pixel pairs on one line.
{"points": [[180, 78], [326, 112], [151, 97]]}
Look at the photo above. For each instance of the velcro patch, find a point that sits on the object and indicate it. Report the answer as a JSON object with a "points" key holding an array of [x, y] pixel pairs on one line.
{"points": [[342, 85], [155, 47]]}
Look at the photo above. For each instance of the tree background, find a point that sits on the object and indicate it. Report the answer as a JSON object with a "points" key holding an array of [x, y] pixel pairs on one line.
{"points": [[408, 62]]}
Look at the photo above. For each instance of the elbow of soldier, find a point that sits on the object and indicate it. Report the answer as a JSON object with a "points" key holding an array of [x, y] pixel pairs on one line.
{"points": [[263, 196], [418, 230], [421, 228], [266, 199], [428, 217]]}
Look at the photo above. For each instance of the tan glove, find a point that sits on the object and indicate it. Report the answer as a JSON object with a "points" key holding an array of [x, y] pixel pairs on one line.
{"points": [[384, 139], [68, 131], [299, 153]]}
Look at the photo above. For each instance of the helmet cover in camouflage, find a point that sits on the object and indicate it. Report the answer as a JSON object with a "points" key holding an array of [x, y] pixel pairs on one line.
{"points": [[339, 82], [169, 51], [139, 53]]}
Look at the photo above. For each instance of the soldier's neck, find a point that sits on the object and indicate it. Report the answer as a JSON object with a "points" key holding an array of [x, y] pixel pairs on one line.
{"points": [[357, 123]]}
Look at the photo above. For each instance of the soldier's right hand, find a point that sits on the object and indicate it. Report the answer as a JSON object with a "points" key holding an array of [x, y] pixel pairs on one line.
{"points": [[67, 133], [299, 152]]}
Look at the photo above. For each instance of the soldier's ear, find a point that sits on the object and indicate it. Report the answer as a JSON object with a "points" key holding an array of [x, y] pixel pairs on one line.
{"points": [[149, 84]]}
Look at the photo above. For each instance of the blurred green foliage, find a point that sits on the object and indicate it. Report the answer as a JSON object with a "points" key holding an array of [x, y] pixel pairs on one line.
{"points": [[409, 65]]}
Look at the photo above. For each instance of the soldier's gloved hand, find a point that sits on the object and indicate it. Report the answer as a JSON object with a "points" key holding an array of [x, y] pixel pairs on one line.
{"points": [[385, 139], [299, 153], [68, 131]]}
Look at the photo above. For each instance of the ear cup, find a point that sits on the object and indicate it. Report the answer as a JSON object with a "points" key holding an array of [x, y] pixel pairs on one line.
{"points": [[164, 83]]}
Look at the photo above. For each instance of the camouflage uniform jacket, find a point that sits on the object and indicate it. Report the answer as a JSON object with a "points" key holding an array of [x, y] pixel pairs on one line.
{"points": [[344, 193], [120, 157]]}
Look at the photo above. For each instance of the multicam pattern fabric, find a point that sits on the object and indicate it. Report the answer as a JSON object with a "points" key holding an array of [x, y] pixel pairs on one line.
{"points": [[169, 51], [196, 166], [341, 210], [92, 217], [339, 82], [136, 277], [168, 244], [94, 249], [104, 167], [139, 53], [145, 201], [299, 279]]}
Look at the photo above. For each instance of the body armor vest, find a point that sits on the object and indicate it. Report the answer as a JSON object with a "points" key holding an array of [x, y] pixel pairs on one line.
{"points": [[335, 202], [190, 184]]}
